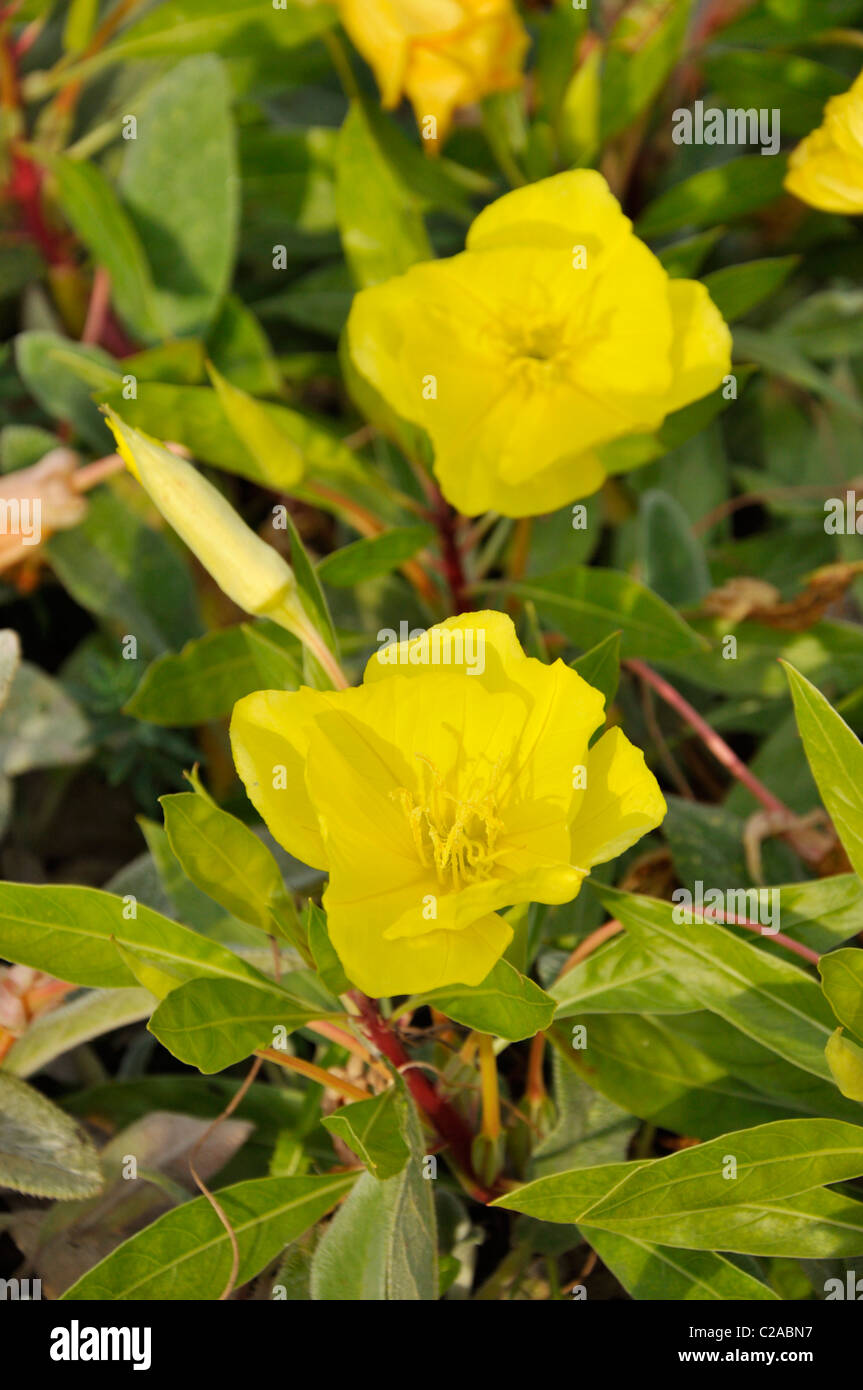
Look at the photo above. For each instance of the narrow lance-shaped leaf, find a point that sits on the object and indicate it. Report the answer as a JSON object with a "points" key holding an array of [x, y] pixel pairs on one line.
{"points": [[757, 1191], [73, 932], [382, 1244], [835, 756], [42, 1151], [842, 976], [187, 1254], [506, 1004], [769, 999], [656, 1272], [376, 1131], [211, 1024], [228, 861]]}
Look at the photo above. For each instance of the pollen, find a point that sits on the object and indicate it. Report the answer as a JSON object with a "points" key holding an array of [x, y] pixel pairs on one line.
{"points": [[457, 836]]}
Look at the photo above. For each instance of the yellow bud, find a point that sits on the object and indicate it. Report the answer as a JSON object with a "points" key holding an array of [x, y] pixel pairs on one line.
{"points": [[248, 570], [845, 1060]]}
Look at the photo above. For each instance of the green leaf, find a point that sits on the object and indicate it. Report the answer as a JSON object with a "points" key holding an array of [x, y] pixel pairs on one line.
{"points": [[227, 860], [796, 85], [683, 1081], [684, 258], [657, 1273], [600, 666], [80, 20], [620, 977], [373, 555], [179, 181], [212, 1024], [791, 1091], [380, 223], [320, 300], [47, 363], [239, 347], [643, 47], [327, 962], [122, 570], [42, 1151], [186, 1254], [113, 240], [672, 557], [590, 604], [579, 121], [589, 1128], [764, 996], [313, 597], [275, 453], [74, 932], [506, 1004], [194, 416], [41, 726], [738, 288], [830, 651], [688, 1200], [845, 1060], [715, 195], [206, 679], [826, 325], [842, 976], [382, 1244], [10, 661], [76, 1021], [779, 355], [835, 756], [375, 1130], [235, 28]]}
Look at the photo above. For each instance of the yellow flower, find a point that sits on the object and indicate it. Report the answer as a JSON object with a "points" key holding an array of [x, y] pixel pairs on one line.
{"points": [[454, 782], [826, 169], [441, 53], [555, 333]]}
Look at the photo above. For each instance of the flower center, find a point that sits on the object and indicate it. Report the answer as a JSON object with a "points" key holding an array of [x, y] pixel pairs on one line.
{"points": [[537, 342], [455, 836]]}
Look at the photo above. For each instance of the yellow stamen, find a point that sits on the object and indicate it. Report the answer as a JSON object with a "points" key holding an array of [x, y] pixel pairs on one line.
{"points": [[454, 835]]}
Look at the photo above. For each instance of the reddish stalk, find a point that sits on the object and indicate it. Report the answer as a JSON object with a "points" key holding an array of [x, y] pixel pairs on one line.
{"points": [[613, 928], [446, 1120], [97, 309], [718, 747], [446, 519]]}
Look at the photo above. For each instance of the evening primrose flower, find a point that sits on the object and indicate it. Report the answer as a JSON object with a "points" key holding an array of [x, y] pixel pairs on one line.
{"points": [[441, 53], [435, 795], [555, 333], [826, 169]]}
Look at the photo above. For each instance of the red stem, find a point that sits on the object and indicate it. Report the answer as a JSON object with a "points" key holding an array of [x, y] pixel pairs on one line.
{"points": [[718, 747], [446, 1120], [445, 519]]}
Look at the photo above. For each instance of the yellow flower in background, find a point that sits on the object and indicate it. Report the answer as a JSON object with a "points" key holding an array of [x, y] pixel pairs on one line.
{"points": [[555, 333], [826, 169], [441, 54], [456, 781]]}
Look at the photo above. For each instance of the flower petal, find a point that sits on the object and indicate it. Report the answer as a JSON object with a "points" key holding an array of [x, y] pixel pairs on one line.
{"points": [[701, 344], [270, 731], [621, 802], [574, 207], [420, 963]]}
